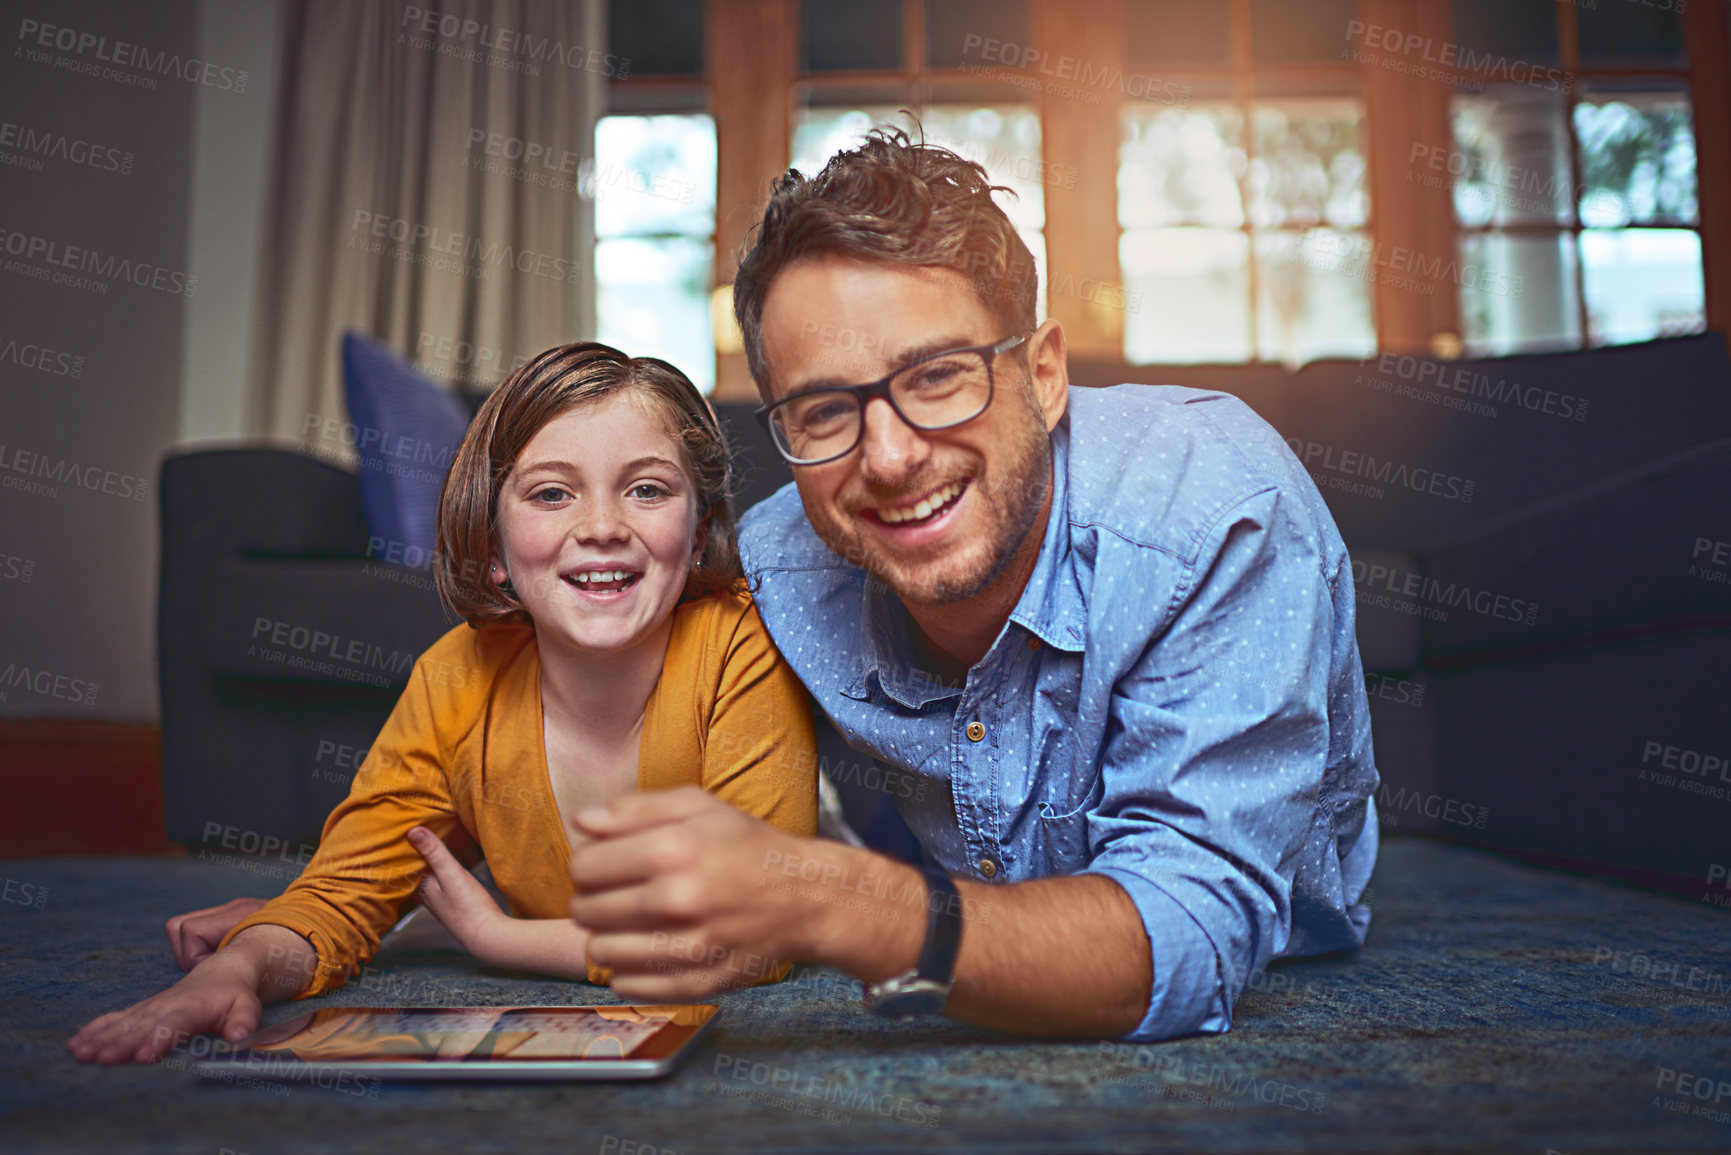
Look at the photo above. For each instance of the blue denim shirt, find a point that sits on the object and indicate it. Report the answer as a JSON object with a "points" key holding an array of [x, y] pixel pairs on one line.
{"points": [[1176, 701]]}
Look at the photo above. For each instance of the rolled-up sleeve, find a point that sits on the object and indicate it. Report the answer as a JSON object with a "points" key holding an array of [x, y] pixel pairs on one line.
{"points": [[365, 870], [1216, 758]]}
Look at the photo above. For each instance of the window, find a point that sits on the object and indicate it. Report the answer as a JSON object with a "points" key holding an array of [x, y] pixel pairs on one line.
{"points": [[653, 182], [1245, 218], [1576, 201], [860, 68], [1004, 139], [1240, 180]]}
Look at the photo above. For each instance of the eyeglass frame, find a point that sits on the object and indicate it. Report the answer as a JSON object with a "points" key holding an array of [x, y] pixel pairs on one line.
{"points": [[992, 350]]}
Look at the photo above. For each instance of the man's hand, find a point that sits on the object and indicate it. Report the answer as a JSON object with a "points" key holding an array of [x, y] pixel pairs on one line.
{"points": [[685, 896], [194, 935], [681, 896], [458, 900]]}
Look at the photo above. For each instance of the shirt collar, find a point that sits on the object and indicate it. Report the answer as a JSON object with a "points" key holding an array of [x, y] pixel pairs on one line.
{"points": [[888, 655], [1051, 607]]}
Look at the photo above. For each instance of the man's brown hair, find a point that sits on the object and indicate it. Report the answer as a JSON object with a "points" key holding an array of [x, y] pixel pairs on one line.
{"points": [[895, 200], [558, 380]]}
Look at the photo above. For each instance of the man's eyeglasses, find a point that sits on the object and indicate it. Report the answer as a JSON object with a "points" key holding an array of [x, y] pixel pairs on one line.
{"points": [[936, 392]]}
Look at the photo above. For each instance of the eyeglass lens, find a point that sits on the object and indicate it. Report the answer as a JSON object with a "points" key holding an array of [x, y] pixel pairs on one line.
{"points": [[933, 394]]}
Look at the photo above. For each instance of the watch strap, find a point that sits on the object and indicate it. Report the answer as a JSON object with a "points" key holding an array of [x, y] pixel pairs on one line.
{"points": [[943, 927]]}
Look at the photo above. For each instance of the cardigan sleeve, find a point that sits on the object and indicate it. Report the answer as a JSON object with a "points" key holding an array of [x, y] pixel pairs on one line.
{"points": [[365, 871]]}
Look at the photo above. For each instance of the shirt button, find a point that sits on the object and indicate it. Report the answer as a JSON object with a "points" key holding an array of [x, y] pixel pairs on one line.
{"points": [[1033, 643], [976, 731], [988, 867]]}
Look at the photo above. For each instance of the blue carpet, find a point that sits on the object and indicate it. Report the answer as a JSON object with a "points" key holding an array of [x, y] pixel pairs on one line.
{"points": [[1496, 1007]]}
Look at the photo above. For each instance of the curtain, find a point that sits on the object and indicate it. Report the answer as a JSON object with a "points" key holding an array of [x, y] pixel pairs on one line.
{"points": [[424, 189]]}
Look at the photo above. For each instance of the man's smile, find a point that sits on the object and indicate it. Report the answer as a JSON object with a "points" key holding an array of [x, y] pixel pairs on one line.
{"points": [[929, 507]]}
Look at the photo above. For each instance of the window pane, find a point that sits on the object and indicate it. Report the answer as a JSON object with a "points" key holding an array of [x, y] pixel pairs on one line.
{"points": [[1282, 31], [1513, 30], [1005, 139], [1631, 32], [1192, 288], [1309, 164], [860, 34], [659, 37], [652, 300], [1181, 166], [1177, 32], [1637, 158], [1642, 284], [820, 133], [1313, 299], [1510, 162], [956, 30], [1517, 294], [653, 174]]}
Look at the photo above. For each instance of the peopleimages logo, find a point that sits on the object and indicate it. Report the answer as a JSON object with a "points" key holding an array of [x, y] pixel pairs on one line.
{"points": [[34, 145], [512, 45], [35, 36], [48, 684], [1446, 60], [1375, 582], [29, 355], [28, 463], [467, 254], [1351, 463], [59, 263], [1404, 268], [1469, 381]]}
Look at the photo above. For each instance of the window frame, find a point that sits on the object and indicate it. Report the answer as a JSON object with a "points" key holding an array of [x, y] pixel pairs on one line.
{"points": [[1245, 83], [750, 85], [1581, 76]]}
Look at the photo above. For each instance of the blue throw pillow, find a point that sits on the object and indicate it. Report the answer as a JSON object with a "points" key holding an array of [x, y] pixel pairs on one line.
{"points": [[407, 429]]}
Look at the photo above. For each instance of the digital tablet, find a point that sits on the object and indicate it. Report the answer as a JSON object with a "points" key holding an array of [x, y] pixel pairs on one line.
{"points": [[552, 1043]]}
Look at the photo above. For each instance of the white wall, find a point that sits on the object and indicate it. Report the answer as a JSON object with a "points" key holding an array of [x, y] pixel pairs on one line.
{"points": [[122, 180]]}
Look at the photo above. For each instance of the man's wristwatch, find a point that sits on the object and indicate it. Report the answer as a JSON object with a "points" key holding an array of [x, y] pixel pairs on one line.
{"points": [[925, 989]]}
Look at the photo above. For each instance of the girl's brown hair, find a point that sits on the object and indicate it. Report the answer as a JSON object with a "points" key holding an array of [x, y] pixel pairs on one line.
{"points": [[558, 380]]}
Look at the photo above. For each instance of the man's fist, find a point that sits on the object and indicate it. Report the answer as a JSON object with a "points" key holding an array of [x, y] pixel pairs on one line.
{"points": [[675, 890]]}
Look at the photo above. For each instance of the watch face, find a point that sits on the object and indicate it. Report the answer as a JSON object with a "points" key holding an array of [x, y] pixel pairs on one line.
{"points": [[921, 997]]}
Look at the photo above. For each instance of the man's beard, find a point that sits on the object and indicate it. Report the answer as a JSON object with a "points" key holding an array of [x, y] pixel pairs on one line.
{"points": [[1011, 505]]}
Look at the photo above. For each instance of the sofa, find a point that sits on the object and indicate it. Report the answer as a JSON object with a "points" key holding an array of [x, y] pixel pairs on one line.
{"points": [[1540, 547]]}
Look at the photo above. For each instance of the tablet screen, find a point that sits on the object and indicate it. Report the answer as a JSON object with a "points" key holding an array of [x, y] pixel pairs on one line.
{"points": [[482, 1034]]}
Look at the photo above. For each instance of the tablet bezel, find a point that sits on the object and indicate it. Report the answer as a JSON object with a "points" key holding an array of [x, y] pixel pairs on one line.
{"points": [[655, 1057]]}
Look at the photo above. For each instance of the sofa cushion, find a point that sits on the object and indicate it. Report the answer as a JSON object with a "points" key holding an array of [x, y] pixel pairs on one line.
{"points": [[1641, 553], [1410, 452], [330, 621], [1388, 630], [1617, 755], [407, 429]]}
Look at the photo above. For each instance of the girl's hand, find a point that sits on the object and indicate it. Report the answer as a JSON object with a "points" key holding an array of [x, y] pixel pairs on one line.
{"points": [[457, 899], [220, 996]]}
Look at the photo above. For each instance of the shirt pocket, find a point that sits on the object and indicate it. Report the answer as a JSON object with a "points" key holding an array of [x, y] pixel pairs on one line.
{"points": [[1064, 820]]}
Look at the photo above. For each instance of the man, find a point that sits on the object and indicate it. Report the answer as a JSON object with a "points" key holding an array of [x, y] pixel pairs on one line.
{"points": [[1101, 642]]}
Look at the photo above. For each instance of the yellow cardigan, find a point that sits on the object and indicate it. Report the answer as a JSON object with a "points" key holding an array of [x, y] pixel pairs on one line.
{"points": [[463, 755]]}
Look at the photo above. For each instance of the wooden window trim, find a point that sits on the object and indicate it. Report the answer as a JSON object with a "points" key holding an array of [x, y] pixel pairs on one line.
{"points": [[752, 83]]}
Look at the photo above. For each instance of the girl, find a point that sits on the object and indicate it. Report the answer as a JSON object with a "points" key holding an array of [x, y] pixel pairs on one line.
{"points": [[586, 535]]}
